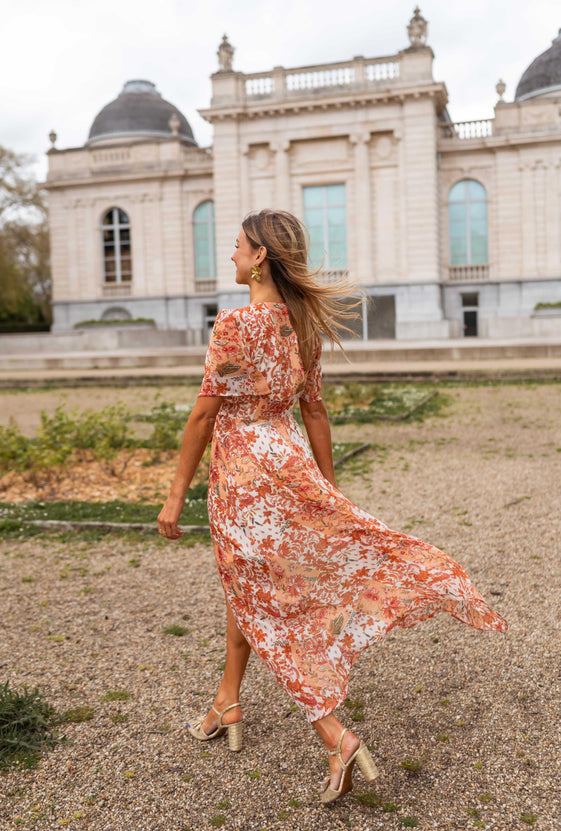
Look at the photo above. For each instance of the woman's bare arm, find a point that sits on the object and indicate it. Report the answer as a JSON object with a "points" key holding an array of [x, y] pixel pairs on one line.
{"points": [[317, 427], [198, 432]]}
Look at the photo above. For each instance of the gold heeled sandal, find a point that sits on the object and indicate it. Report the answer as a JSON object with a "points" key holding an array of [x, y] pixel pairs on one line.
{"points": [[365, 763], [234, 730]]}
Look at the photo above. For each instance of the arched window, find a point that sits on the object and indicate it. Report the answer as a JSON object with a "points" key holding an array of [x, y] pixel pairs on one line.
{"points": [[117, 261], [203, 238], [467, 223]]}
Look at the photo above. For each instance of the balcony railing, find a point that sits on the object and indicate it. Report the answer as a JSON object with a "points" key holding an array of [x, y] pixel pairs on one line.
{"points": [[468, 273], [116, 289], [358, 74], [465, 130], [205, 286]]}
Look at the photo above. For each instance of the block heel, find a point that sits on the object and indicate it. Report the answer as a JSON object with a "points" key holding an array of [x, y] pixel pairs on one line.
{"points": [[366, 764], [235, 736]]}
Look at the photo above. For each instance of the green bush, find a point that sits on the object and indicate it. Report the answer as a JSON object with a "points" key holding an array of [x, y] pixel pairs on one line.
{"points": [[26, 723]]}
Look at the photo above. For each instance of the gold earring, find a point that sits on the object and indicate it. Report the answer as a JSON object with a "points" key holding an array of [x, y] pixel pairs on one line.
{"points": [[256, 273]]}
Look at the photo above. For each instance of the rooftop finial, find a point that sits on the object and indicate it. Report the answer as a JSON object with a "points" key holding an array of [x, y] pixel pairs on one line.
{"points": [[52, 139], [500, 88], [417, 29], [225, 55]]}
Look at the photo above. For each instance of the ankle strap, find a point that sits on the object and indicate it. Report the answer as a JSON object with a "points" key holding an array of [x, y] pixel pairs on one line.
{"points": [[225, 710], [337, 751]]}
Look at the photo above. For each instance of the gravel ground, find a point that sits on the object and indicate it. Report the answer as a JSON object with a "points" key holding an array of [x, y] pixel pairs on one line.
{"points": [[477, 713]]}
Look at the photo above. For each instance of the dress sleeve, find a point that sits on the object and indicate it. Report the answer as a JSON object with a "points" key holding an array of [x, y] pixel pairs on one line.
{"points": [[312, 387], [228, 372]]}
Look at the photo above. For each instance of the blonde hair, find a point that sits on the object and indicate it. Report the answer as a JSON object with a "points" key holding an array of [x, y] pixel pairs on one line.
{"points": [[315, 309]]}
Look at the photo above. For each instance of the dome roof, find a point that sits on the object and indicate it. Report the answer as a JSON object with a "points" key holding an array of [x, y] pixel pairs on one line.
{"points": [[543, 74], [139, 110]]}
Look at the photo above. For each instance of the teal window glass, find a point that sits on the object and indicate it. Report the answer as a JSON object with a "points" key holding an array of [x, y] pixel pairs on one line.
{"points": [[116, 238], [204, 241], [467, 223], [325, 216]]}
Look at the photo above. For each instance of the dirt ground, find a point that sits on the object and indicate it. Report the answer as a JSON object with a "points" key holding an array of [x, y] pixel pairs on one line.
{"points": [[476, 714]]}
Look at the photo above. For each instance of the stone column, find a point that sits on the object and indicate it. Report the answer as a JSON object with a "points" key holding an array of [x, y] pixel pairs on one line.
{"points": [[282, 174], [244, 179], [363, 210]]}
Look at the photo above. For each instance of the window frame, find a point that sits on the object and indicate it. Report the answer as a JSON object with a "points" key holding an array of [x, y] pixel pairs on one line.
{"points": [[116, 227], [468, 237], [210, 241], [326, 263]]}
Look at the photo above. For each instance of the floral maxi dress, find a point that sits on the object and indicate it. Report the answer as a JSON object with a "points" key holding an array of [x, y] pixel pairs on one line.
{"points": [[311, 579]]}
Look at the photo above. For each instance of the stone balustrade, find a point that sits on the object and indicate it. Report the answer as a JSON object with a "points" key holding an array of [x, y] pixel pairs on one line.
{"points": [[464, 130], [469, 273], [358, 74]]}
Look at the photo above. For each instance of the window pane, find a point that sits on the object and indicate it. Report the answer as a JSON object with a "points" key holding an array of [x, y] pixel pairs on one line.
{"points": [[125, 234], [457, 211], [458, 252], [313, 197], [478, 250], [476, 191], [336, 216], [108, 235], [317, 255], [123, 218], [458, 192], [335, 194], [478, 210], [337, 254]]}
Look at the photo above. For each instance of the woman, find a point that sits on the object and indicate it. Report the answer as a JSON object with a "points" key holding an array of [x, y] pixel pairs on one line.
{"points": [[310, 580]]}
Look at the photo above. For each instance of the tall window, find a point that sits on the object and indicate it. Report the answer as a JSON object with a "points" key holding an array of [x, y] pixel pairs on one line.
{"points": [[117, 261], [203, 237], [325, 216], [467, 223]]}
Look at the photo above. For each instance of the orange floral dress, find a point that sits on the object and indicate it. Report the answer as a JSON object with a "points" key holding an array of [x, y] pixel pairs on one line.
{"points": [[311, 579]]}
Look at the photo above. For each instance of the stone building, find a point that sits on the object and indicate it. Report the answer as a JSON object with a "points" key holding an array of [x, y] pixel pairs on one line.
{"points": [[453, 228]]}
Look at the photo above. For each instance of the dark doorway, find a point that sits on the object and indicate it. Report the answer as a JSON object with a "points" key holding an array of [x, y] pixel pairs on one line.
{"points": [[470, 307], [210, 311], [381, 317]]}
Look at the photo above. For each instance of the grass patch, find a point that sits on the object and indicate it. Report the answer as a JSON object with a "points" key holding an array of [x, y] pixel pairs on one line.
{"points": [[78, 715], [194, 513], [412, 765], [371, 800], [176, 630], [26, 727], [409, 822], [528, 818], [116, 695], [356, 707], [352, 401]]}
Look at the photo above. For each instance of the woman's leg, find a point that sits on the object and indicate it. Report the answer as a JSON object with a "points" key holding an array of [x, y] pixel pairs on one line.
{"points": [[237, 655], [329, 729]]}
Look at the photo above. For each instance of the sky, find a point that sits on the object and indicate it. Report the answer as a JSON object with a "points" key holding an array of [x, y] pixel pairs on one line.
{"points": [[61, 61]]}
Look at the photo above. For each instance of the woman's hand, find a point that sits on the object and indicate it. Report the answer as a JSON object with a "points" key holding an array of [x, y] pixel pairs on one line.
{"points": [[198, 432], [169, 517]]}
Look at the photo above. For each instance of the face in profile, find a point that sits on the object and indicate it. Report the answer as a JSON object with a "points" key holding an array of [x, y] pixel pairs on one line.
{"points": [[244, 258]]}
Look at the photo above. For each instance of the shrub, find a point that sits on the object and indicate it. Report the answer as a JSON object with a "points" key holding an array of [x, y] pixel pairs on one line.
{"points": [[26, 722]]}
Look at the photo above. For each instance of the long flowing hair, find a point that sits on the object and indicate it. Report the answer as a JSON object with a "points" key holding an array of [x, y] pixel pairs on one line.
{"points": [[315, 309]]}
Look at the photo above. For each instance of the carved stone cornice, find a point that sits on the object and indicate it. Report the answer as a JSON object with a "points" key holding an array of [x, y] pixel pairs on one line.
{"points": [[270, 107]]}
